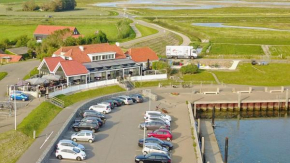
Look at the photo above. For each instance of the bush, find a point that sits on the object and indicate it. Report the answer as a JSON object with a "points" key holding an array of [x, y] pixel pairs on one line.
{"points": [[189, 69], [125, 30], [159, 65]]}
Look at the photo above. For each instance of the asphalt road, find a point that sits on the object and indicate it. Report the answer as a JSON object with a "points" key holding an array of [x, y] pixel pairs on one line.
{"points": [[15, 71]]}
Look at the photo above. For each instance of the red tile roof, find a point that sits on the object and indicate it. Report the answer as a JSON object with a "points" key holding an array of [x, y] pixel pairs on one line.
{"points": [[49, 29], [13, 58], [52, 62], [142, 54], [82, 56], [71, 68]]}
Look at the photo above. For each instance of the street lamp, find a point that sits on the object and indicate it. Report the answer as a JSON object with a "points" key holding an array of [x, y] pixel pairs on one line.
{"points": [[14, 106]]}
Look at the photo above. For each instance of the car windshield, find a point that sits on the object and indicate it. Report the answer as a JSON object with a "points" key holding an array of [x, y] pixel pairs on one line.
{"points": [[76, 150], [139, 96], [129, 99], [157, 145], [74, 143]]}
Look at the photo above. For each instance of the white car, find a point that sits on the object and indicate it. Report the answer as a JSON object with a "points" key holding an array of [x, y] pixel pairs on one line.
{"points": [[127, 100], [84, 135], [157, 118], [70, 153], [153, 147], [69, 144], [102, 108], [156, 114]]}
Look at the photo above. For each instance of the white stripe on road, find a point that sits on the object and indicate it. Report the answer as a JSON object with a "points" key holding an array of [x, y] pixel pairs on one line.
{"points": [[46, 140]]}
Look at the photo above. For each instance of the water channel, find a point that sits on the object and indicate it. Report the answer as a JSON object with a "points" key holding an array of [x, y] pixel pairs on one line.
{"points": [[221, 25], [254, 140]]}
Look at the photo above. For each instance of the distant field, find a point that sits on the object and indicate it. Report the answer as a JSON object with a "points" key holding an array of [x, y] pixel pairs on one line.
{"points": [[226, 49], [145, 31], [278, 50], [269, 75]]}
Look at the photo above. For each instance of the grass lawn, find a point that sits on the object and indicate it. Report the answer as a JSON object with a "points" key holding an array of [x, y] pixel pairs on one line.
{"points": [[152, 83], [80, 96], [278, 50], [201, 76], [269, 75], [230, 49], [2, 75], [31, 73], [146, 31]]}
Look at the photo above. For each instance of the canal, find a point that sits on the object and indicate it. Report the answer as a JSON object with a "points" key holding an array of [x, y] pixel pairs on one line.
{"points": [[254, 140]]}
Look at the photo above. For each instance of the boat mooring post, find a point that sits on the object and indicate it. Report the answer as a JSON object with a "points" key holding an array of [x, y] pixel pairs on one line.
{"points": [[202, 148], [226, 149], [198, 128], [287, 99], [239, 101], [213, 116]]}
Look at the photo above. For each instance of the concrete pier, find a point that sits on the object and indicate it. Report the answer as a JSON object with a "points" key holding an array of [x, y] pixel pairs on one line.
{"points": [[212, 151]]}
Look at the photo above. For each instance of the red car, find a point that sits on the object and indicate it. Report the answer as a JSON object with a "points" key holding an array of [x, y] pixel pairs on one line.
{"points": [[161, 134]]}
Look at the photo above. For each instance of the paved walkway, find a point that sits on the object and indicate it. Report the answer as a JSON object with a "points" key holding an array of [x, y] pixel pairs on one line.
{"points": [[15, 71]]}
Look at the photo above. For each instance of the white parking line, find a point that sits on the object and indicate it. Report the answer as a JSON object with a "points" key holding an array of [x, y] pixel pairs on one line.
{"points": [[53, 159]]}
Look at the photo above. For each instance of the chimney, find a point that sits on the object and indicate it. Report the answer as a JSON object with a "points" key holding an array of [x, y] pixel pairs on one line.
{"points": [[117, 43], [82, 48]]}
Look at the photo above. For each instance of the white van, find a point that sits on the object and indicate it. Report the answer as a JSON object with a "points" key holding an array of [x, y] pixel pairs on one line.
{"points": [[103, 108]]}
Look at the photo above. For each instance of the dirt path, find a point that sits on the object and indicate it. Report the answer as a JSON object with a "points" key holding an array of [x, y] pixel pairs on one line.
{"points": [[266, 50]]}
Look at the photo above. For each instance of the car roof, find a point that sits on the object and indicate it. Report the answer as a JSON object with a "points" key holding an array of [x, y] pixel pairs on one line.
{"points": [[86, 131], [153, 112], [159, 154], [65, 141], [151, 144]]}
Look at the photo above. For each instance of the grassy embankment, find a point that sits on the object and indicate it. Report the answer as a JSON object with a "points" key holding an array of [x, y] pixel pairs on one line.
{"points": [[31, 73], [15, 143], [146, 31], [227, 41], [2, 75]]}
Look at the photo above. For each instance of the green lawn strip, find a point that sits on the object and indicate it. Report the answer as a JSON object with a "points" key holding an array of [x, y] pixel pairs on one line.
{"points": [[146, 31], [268, 75], [202, 76], [230, 49], [2, 75], [31, 73], [152, 83], [80, 96], [278, 50]]}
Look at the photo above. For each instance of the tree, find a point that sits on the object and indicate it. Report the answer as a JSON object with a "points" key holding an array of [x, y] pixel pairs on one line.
{"points": [[189, 69], [21, 41], [29, 6], [159, 65], [70, 41]]}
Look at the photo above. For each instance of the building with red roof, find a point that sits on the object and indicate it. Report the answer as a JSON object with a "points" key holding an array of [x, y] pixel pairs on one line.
{"points": [[7, 58], [142, 55], [43, 31]]}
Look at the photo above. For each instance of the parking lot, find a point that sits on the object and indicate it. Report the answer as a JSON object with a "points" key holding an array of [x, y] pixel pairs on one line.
{"points": [[117, 140]]}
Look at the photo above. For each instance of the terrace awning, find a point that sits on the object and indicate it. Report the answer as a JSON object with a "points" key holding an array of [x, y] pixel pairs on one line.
{"points": [[113, 64]]}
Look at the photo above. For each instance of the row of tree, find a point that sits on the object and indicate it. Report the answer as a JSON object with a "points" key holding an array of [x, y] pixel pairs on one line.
{"points": [[52, 42], [54, 5]]}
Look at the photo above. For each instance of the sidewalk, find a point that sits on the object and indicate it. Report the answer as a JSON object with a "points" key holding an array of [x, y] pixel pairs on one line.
{"points": [[8, 124]]}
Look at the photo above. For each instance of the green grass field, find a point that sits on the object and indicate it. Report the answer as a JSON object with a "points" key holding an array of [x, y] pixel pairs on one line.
{"points": [[269, 75], [229, 49], [146, 31], [2, 75], [278, 50], [203, 76]]}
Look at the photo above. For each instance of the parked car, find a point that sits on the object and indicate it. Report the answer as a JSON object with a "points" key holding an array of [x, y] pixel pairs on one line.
{"points": [[103, 108], [163, 134], [137, 97], [69, 144], [19, 96], [91, 119], [127, 100], [84, 135], [93, 113], [115, 102], [71, 153], [153, 125], [119, 100], [164, 144], [157, 113], [153, 158], [157, 118], [85, 126], [152, 147], [111, 104]]}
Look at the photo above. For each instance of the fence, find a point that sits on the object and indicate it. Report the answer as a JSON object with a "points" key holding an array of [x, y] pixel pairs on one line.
{"points": [[62, 90], [149, 77]]}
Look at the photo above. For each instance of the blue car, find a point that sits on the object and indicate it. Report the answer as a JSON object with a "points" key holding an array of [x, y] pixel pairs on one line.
{"points": [[19, 96]]}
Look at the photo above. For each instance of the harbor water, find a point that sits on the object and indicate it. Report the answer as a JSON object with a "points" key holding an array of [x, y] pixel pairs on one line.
{"points": [[255, 140]]}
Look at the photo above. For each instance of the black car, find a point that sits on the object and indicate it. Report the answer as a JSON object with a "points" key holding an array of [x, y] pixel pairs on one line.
{"points": [[164, 144], [93, 113], [119, 100], [153, 158], [115, 102], [89, 120], [85, 126]]}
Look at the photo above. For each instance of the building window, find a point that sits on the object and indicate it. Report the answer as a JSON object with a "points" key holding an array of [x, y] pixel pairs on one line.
{"points": [[103, 57]]}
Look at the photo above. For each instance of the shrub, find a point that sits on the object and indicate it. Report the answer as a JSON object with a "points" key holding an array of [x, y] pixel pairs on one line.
{"points": [[189, 69], [159, 65], [125, 30]]}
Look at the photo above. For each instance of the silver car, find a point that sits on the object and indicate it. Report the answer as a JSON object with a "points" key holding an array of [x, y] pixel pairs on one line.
{"points": [[84, 135], [156, 148]]}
